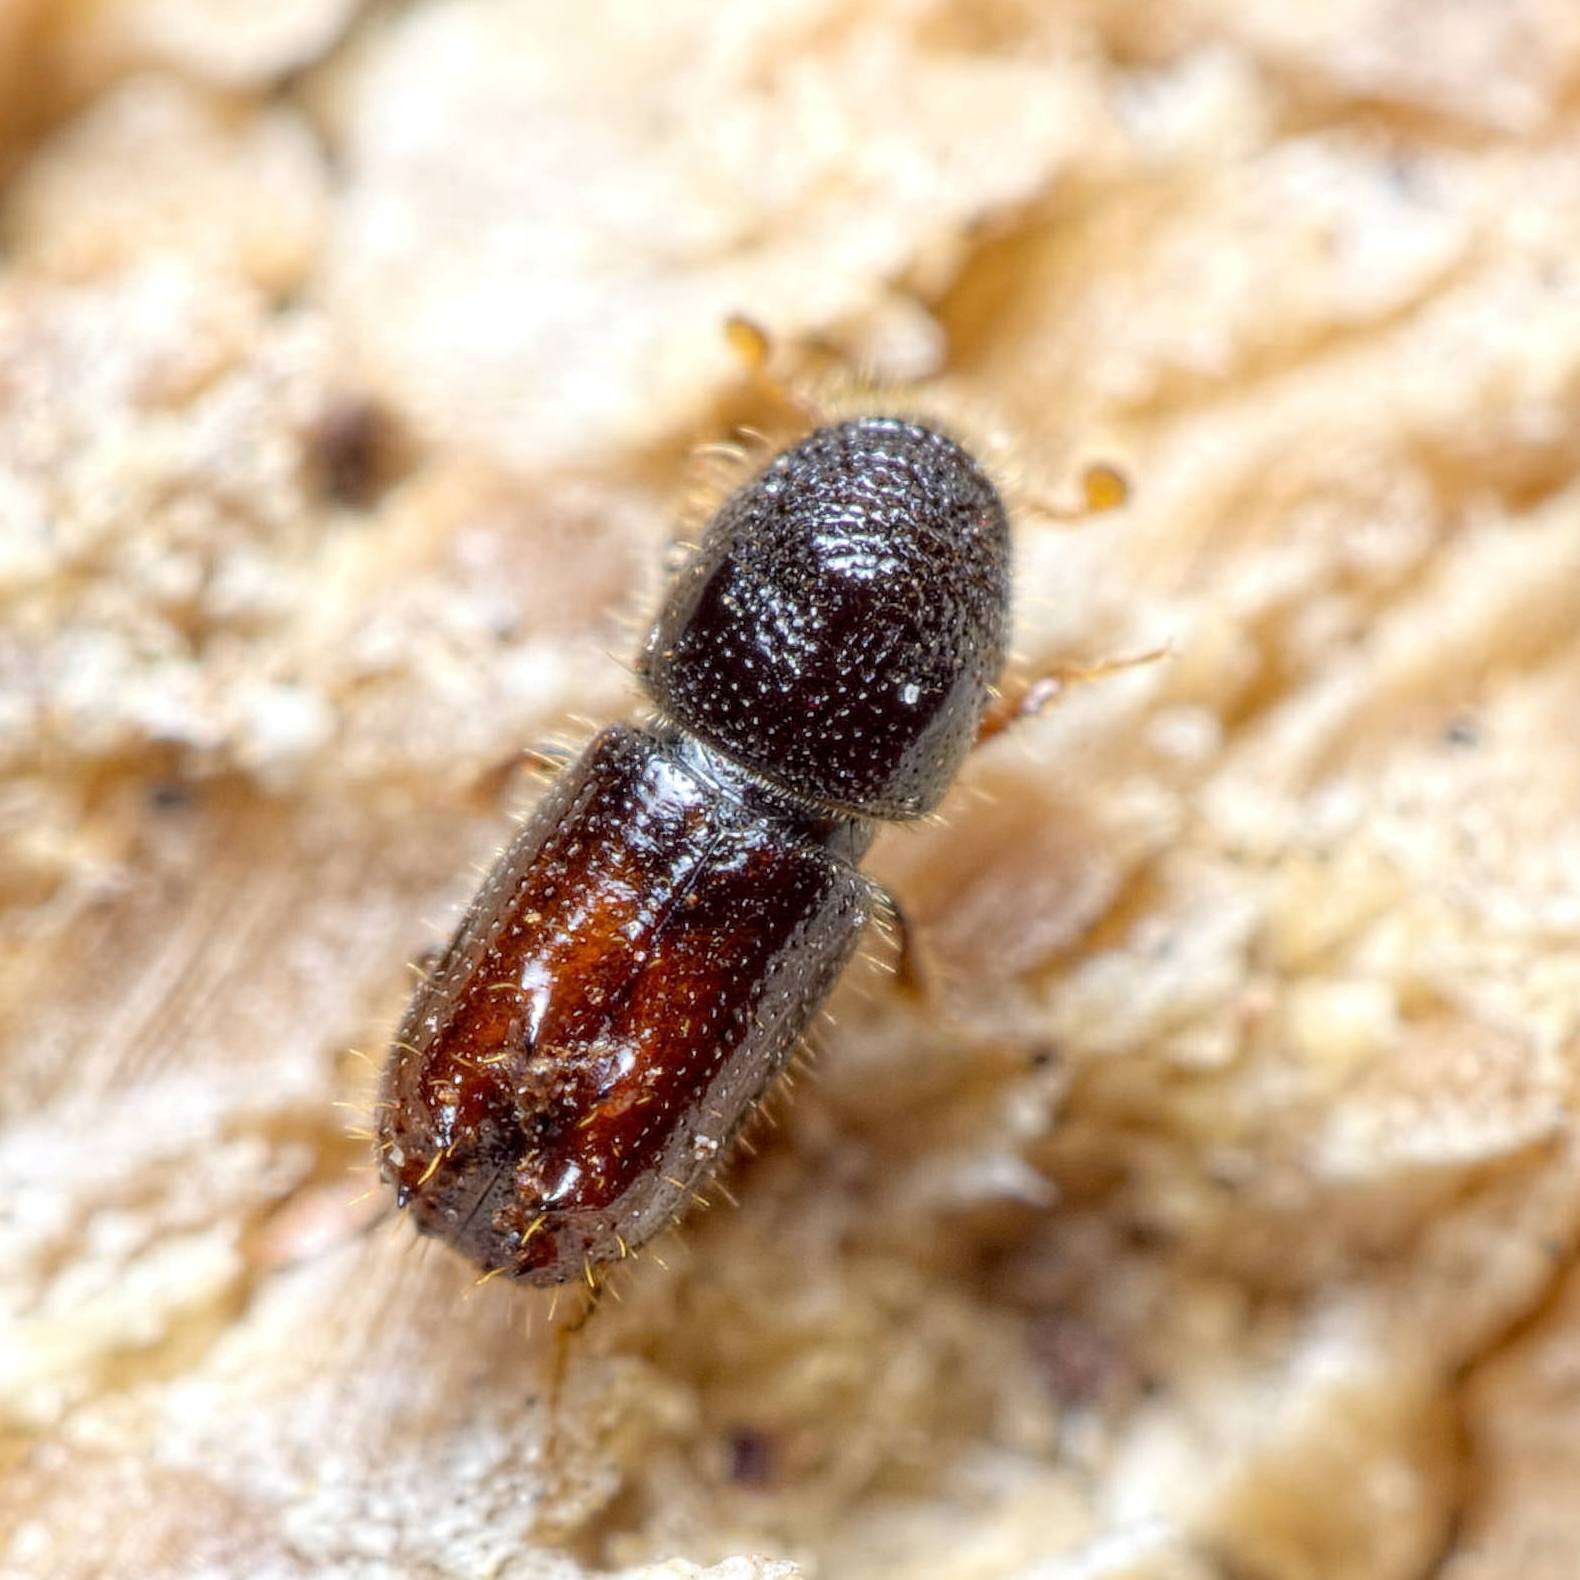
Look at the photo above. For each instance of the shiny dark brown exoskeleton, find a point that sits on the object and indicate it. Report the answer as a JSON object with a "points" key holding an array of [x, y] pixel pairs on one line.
{"points": [[643, 958]]}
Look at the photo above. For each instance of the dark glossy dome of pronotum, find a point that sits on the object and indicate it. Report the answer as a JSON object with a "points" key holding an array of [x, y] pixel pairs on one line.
{"points": [[843, 618]]}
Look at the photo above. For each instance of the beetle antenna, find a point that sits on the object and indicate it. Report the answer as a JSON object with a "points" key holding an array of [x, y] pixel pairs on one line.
{"points": [[754, 346], [1104, 488]]}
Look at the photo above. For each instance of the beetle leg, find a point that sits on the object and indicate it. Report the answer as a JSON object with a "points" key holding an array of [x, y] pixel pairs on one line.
{"points": [[1038, 694], [910, 971], [543, 761]]}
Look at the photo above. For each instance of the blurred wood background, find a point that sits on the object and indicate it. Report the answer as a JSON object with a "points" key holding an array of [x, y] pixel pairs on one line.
{"points": [[1217, 1220]]}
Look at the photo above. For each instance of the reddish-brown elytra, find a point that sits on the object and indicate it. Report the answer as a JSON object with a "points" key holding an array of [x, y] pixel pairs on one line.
{"points": [[643, 958]]}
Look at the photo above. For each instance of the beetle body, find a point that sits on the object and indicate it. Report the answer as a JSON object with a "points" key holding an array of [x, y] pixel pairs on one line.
{"points": [[644, 957]]}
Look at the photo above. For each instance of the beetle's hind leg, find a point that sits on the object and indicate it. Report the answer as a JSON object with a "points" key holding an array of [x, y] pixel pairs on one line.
{"points": [[564, 1333]]}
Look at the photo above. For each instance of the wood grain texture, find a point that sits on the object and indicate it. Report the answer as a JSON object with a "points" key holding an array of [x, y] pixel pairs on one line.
{"points": [[1217, 1214]]}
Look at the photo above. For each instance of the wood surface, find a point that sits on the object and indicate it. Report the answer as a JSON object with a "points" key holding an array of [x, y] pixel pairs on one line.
{"points": [[1215, 1216]]}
